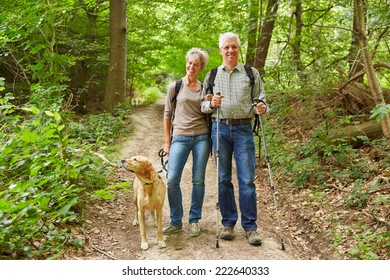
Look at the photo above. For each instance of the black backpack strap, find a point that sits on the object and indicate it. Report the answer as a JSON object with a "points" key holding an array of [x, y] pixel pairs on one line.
{"points": [[177, 89], [173, 101], [213, 74], [249, 72]]}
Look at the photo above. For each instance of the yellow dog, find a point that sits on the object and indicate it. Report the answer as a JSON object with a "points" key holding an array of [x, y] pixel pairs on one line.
{"points": [[149, 194]]}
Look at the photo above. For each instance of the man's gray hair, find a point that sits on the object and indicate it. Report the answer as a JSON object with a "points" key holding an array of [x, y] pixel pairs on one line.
{"points": [[198, 54], [228, 35]]}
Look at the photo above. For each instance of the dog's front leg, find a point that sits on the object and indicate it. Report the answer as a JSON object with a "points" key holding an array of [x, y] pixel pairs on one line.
{"points": [[142, 227], [135, 221], [154, 217], [161, 242]]}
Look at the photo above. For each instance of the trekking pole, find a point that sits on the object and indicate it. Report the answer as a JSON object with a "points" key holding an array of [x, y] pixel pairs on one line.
{"points": [[267, 159], [217, 163]]}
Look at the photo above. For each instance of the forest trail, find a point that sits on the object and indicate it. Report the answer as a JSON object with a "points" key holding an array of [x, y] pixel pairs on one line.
{"points": [[109, 233]]}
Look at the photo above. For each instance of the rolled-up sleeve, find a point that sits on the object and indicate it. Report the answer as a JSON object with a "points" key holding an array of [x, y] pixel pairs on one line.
{"points": [[204, 104]]}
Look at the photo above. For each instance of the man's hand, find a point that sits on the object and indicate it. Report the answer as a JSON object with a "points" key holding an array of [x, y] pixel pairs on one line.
{"points": [[216, 101], [260, 107]]}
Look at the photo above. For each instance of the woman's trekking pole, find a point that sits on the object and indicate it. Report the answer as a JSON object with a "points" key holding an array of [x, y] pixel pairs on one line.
{"points": [[217, 163], [271, 181]]}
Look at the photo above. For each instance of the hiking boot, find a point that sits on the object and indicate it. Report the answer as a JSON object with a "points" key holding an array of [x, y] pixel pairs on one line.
{"points": [[194, 229], [253, 237], [169, 229], [227, 233]]}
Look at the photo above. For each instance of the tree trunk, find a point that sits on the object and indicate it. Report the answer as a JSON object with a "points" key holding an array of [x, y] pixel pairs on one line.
{"points": [[353, 134], [252, 31], [298, 32], [116, 80], [354, 56], [265, 35], [373, 81]]}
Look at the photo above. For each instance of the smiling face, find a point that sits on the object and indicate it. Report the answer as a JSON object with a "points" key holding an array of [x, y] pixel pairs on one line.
{"points": [[193, 67], [230, 51]]}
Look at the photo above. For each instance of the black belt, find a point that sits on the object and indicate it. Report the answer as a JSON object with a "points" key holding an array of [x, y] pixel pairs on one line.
{"points": [[234, 121]]}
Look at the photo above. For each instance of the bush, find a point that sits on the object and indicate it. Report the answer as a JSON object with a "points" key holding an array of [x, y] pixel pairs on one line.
{"points": [[40, 182]]}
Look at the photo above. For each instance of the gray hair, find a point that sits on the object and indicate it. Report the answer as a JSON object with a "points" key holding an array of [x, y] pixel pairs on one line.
{"points": [[228, 35], [198, 54]]}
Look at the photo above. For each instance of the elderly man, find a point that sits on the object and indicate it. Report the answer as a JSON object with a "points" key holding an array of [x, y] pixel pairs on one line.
{"points": [[235, 103]]}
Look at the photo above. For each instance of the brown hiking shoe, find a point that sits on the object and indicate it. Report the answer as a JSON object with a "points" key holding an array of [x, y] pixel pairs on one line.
{"points": [[227, 233], [253, 237]]}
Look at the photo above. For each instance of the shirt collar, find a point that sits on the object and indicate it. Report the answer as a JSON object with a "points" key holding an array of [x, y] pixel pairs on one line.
{"points": [[239, 67]]}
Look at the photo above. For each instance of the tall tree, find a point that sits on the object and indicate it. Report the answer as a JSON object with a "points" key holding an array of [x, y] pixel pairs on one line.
{"points": [[373, 81], [116, 80], [265, 34], [355, 56], [253, 22], [298, 33]]}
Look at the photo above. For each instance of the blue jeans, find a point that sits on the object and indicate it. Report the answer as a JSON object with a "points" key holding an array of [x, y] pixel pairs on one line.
{"points": [[180, 149], [236, 140]]}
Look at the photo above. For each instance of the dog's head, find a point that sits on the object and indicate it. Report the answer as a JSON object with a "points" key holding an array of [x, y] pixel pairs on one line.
{"points": [[140, 166]]}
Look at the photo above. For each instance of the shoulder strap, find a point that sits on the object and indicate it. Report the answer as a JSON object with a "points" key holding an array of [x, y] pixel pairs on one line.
{"points": [[177, 89], [249, 72], [213, 74]]}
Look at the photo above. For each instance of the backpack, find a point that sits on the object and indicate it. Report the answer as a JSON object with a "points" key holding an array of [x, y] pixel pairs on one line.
{"points": [[249, 73]]}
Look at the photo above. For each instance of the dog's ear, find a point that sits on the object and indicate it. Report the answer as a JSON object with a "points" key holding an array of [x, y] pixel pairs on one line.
{"points": [[148, 170]]}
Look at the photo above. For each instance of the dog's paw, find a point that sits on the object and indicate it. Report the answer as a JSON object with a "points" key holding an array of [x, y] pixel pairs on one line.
{"points": [[144, 246], [135, 223], [161, 244]]}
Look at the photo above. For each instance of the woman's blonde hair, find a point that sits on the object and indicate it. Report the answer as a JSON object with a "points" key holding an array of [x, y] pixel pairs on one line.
{"points": [[198, 54]]}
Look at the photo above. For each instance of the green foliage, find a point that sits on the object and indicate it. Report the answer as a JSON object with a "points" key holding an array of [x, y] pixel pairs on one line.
{"points": [[41, 181], [148, 96], [100, 130], [380, 111], [109, 191], [367, 244]]}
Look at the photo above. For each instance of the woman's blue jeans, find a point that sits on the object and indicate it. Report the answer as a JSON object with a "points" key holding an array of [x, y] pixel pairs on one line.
{"points": [[180, 149], [237, 141]]}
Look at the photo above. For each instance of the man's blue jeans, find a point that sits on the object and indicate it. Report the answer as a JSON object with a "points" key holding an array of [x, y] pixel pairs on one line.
{"points": [[180, 149], [236, 140]]}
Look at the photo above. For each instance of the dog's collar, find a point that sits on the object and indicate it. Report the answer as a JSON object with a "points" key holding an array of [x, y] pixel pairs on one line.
{"points": [[151, 183]]}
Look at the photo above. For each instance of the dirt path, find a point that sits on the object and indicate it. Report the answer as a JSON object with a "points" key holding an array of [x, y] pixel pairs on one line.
{"points": [[111, 235]]}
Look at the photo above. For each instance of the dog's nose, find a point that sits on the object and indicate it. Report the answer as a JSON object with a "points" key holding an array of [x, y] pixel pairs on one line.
{"points": [[122, 161]]}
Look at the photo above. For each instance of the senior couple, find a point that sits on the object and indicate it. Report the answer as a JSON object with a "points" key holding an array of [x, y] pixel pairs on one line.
{"points": [[188, 132]]}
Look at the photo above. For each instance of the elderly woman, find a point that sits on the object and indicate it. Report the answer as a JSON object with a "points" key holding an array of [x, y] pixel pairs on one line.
{"points": [[186, 130]]}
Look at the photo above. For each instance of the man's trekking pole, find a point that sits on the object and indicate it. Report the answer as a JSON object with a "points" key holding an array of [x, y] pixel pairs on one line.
{"points": [[271, 182], [217, 163], [267, 159]]}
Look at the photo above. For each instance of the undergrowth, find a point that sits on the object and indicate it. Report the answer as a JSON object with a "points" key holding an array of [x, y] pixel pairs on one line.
{"points": [[48, 167], [351, 184]]}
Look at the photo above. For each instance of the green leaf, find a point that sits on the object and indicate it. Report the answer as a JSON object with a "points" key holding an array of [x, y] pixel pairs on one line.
{"points": [[380, 111], [33, 110], [32, 212], [37, 48], [65, 209], [29, 137]]}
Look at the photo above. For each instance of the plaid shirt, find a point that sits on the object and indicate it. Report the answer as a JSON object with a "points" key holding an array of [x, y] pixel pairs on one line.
{"points": [[235, 87]]}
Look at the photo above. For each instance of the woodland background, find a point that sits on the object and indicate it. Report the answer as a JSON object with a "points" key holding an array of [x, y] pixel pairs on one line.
{"points": [[72, 71]]}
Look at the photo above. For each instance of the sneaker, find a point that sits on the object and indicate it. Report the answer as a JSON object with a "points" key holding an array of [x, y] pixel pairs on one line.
{"points": [[169, 229], [194, 229], [227, 233], [253, 237]]}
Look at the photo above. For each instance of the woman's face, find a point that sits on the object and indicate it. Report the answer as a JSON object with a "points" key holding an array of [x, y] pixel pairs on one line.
{"points": [[193, 67]]}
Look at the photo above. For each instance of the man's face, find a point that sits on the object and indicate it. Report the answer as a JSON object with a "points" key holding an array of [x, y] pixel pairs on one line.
{"points": [[230, 51]]}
